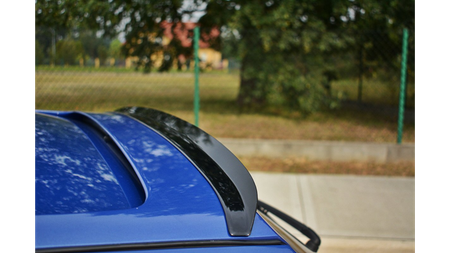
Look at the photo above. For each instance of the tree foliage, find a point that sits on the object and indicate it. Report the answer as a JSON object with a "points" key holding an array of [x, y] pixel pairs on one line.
{"points": [[39, 53], [69, 52], [288, 48]]}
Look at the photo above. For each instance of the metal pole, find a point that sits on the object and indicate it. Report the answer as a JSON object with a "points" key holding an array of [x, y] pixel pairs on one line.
{"points": [[361, 69], [401, 103], [196, 70]]}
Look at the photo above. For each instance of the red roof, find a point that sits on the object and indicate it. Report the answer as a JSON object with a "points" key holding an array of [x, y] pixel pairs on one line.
{"points": [[184, 33]]}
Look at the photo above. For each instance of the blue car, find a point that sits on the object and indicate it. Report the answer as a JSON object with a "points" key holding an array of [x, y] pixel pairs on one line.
{"points": [[141, 180]]}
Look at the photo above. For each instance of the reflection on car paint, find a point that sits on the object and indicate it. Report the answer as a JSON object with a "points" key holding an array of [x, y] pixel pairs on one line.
{"points": [[215, 162], [72, 176], [185, 201]]}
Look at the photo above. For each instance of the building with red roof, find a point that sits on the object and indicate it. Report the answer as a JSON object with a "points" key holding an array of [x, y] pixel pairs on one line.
{"points": [[209, 57]]}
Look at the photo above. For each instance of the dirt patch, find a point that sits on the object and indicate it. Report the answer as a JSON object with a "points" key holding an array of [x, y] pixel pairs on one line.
{"points": [[296, 165]]}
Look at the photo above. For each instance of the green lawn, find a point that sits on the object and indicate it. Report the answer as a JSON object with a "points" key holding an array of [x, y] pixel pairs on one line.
{"points": [[173, 92], [375, 91]]}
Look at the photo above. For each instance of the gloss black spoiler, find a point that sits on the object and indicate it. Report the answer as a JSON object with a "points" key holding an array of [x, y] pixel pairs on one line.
{"points": [[225, 173]]}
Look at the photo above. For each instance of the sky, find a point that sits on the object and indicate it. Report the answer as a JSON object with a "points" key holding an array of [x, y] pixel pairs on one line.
{"points": [[196, 15]]}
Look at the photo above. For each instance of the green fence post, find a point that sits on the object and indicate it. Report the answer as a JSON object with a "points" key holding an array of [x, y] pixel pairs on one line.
{"points": [[196, 70], [401, 103]]}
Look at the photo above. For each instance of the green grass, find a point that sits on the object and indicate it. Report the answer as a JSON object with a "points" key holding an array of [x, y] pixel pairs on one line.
{"points": [[219, 115], [374, 91], [106, 91]]}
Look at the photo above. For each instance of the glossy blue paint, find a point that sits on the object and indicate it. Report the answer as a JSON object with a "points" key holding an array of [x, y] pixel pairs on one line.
{"points": [[72, 176], [179, 204], [246, 249], [224, 172]]}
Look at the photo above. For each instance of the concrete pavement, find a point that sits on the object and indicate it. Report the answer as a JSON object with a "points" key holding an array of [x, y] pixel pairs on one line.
{"points": [[350, 213]]}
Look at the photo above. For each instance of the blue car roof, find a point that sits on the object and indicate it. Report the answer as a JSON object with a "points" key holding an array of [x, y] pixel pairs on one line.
{"points": [[108, 179]]}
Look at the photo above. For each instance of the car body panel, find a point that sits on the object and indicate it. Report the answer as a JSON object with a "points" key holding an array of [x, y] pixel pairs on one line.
{"points": [[73, 177], [179, 204], [236, 249], [225, 173]]}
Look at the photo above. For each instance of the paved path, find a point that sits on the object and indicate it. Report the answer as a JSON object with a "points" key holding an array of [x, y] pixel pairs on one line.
{"points": [[350, 213]]}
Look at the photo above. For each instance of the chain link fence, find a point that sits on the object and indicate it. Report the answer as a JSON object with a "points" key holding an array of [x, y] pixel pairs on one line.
{"points": [[79, 70]]}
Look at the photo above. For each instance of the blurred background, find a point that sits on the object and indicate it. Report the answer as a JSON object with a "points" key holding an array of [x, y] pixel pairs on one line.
{"points": [[327, 70]]}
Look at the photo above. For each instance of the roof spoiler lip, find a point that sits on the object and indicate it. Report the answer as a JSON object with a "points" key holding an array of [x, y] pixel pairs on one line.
{"points": [[228, 177]]}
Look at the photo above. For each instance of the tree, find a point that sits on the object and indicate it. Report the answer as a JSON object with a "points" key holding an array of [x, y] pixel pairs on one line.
{"points": [[115, 49], [286, 47], [69, 52], [282, 45], [39, 53], [99, 15], [290, 48]]}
